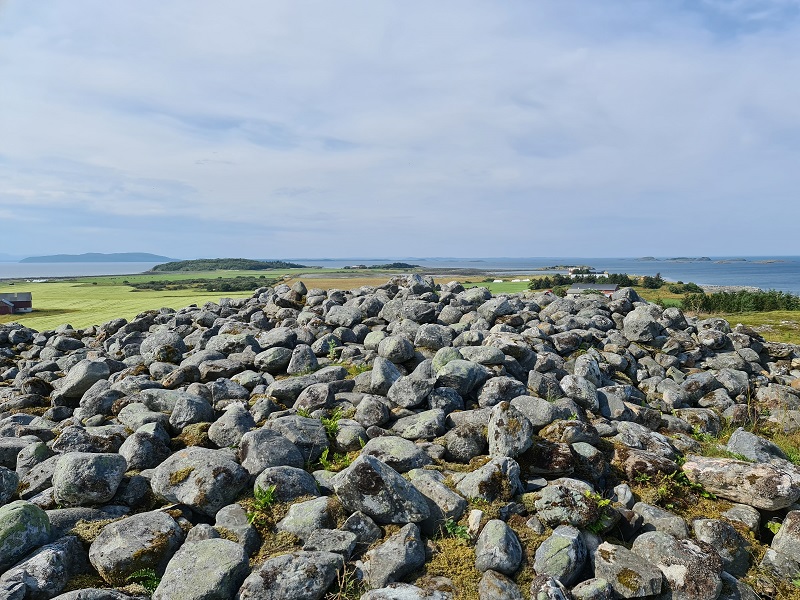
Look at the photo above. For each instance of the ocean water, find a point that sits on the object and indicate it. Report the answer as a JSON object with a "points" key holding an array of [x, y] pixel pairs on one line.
{"points": [[766, 272], [9, 270]]}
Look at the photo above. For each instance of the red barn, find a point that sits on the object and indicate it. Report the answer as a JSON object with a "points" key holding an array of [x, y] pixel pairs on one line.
{"points": [[17, 302]]}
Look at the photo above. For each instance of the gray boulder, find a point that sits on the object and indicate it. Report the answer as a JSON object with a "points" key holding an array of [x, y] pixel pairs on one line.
{"points": [[265, 448], [692, 570], [563, 555], [629, 575], [401, 554], [498, 548], [510, 432], [9, 480], [144, 541], [497, 479], [82, 478], [205, 570], [202, 478], [399, 453], [370, 486], [307, 434], [45, 572], [290, 482], [494, 586], [306, 517], [762, 486], [561, 505], [302, 574], [81, 377], [23, 527], [731, 546], [231, 426]]}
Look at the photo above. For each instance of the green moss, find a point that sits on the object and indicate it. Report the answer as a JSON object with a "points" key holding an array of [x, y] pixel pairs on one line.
{"points": [[455, 559], [630, 579], [180, 475], [87, 531]]}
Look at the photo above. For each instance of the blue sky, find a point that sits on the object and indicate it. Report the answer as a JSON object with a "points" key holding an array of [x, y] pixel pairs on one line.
{"points": [[416, 128]]}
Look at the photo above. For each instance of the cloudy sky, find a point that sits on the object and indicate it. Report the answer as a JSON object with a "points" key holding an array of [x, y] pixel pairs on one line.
{"points": [[369, 128]]}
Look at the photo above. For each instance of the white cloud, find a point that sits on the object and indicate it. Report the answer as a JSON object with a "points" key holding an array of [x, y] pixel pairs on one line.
{"points": [[424, 128]]}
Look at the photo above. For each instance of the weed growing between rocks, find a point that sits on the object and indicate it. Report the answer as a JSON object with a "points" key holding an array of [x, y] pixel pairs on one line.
{"points": [[263, 499], [147, 578]]}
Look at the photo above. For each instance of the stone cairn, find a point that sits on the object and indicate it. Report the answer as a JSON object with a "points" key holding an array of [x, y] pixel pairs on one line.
{"points": [[407, 441]]}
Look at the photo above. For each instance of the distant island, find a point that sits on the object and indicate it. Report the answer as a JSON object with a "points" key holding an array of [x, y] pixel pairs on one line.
{"points": [[225, 264], [97, 257], [394, 265], [676, 259], [564, 268]]}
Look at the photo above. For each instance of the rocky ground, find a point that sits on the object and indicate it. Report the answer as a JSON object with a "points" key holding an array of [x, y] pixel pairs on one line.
{"points": [[406, 441]]}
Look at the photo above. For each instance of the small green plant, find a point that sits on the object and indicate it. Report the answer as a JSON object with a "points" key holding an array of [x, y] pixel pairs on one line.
{"points": [[331, 422], [454, 530], [147, 578], [773, 526], [263, 498], [332, 350], [600, 523], [304, 412], [337, 462], [642, 478]]}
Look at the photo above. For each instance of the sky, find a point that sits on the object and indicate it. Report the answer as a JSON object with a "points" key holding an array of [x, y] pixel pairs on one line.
{"points": [[369, 128]]}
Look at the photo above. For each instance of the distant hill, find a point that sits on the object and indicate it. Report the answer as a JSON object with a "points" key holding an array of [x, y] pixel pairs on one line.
{"points": [[95, 257], [225, 264]]}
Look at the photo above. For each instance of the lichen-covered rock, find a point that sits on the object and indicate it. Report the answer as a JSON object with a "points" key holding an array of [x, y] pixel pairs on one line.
{"points": [[498, 548], [762, 486], [202, 478], [379, 491], [497, 479], [265, 448], [45, 572], [82, 478], [405, 591], [332, 540], [692, 570], [289, 482], [399, 453], [787, 541], [443, 502], [562, 555], [302, 574], [306, 517], [81, 377], [629, 575], [562, 505], [401, 554], [206, 570], [510, 432], [655, 518], [9, 480], [731, 546], [495, 586], [144, 541], [596, 588], [307, 434]]}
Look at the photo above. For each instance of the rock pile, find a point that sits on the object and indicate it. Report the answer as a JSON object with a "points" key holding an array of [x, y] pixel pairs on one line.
{"points": [[407, 441]]}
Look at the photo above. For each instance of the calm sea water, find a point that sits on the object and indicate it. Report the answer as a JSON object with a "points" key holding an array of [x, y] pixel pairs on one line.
{"points": [[766, 272]]}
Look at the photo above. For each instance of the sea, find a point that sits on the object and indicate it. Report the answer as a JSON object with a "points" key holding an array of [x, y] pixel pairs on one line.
{"points": [[765, 272]]}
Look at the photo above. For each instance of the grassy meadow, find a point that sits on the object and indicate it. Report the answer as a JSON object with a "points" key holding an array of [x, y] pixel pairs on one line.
{"points": [[85, 301]]}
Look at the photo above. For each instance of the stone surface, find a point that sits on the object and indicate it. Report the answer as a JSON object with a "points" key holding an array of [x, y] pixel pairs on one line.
{"points": [[144, 541]]}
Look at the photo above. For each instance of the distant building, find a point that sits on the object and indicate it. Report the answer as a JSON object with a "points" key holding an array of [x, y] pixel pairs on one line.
{"points": [[17, 302], [578, 289]]}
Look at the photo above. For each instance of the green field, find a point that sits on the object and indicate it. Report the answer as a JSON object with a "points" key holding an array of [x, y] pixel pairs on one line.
{"points": [[86, 301]]}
